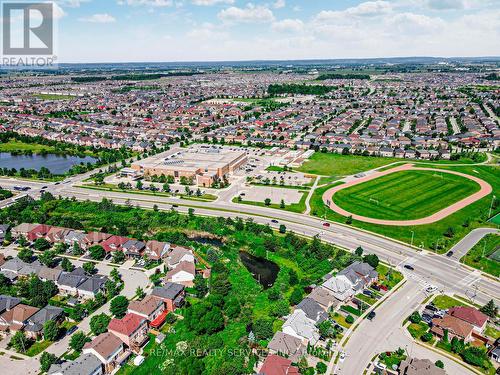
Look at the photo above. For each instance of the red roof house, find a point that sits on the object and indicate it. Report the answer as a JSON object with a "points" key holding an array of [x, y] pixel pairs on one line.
{"points": [[276, 365], [40, 231], [470, 315], [114, 243], [132, 329]]}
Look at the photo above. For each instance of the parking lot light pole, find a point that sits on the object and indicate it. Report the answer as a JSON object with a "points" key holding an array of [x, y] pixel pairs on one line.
{"points": [[412, 235]]}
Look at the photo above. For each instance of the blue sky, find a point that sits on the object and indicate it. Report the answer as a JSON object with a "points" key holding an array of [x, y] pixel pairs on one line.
{"points": [[209, 30]]}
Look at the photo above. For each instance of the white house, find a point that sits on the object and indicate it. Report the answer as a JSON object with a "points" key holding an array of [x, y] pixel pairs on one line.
{"points": [[299, 325]]}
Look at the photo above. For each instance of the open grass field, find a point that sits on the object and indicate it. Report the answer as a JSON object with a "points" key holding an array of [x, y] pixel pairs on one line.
{"points": [[429, 235], [405, 195], [327, 164], [14, 145], [54, 97], [481, 255]]}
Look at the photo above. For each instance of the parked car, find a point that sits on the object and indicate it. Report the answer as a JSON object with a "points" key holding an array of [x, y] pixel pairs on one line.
{"points": [[426, 318], [408, 267], [371, 315], [440, 314], [431, 308], [368, 293], [71, 330], [376, 287]]}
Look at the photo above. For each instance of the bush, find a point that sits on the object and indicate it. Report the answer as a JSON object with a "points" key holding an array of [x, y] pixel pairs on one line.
{"points": [[170, 318], [439, 363], [349, 319], [426, 337], [321, 368], [415, 317]]}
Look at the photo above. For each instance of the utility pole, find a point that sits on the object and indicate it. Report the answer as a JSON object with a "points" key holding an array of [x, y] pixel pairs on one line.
{"points": [[491, 205], [412, 235]]}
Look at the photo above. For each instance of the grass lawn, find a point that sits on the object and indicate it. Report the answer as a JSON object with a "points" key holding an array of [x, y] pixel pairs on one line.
{"points": [[488, 245], [387, 276], [492, 332], [342, 165], [417, 329], [445, 302], [340, 319], [405, 195], [431, 235], [38, 347], [294, 207], [14, 145], [54, 97], [366, 299]]}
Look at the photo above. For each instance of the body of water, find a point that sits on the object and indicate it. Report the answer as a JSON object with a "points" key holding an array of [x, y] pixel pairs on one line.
{"points": [[263, 270], [57, 164]]}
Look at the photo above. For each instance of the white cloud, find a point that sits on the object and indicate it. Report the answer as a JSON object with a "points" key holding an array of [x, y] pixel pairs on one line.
{"points": [[288, 25], [152, 3], [211, 2], [206, 32], [99, 18], [71, 3], [278, 4], [250, 14]]}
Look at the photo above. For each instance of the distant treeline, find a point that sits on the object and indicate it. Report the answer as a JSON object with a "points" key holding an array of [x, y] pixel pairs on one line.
{"points": [[492, 77], [280, 89], [325, 76], [131, 77]]}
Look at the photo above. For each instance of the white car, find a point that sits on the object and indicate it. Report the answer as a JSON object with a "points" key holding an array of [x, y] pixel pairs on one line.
{"points": [[431, 289], [342, 357]]}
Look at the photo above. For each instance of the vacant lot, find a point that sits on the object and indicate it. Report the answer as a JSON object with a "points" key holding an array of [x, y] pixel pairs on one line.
{"points": [[342, 165], [484, 255], [405, 195]]}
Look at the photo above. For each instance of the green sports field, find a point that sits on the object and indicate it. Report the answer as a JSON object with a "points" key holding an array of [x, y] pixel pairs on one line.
{"points": [[405, 195]]}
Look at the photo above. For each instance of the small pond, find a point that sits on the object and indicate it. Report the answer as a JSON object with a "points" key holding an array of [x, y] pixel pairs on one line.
{"points": [[263, 270], [57, 164]]}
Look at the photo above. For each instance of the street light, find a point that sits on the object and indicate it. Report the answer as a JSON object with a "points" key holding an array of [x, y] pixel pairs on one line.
{"points": [[412, 234], [491, 205]]}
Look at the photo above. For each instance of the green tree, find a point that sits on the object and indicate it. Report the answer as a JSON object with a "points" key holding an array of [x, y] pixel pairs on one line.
{"points": [[282, 203], [41, 244], [490, 309], [140, 293], [19, 342], [321, 368], [349, 319], [99, 323], [118, 257], [282, 229], [474, 355], [47, 360], [281, 308], [50, 330], [296, 296], [359, 251], [77, 341], [25, 254], [263, 328], [48, 258], [67, 265], [97, 252], [118, 306], [77, 250], [439, 363], [90, 268], [200, 286], [371, 259], [267, 201], [415, 317]]}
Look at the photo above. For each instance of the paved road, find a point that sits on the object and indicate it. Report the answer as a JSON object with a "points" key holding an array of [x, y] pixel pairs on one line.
{"points": [[469, 241], [386, 333]]}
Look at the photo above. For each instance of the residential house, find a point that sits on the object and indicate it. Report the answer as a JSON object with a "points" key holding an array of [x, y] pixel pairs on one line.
{"points": [[91, 286], [75, 237], [276, 365], [86, 364], [415, 366], [132, 329], [359, 274], [341, 288], [8, 302], [470, 315], [109, 349], [4, 228], [114, 243], [22, 230], [68, 282], [299, 325], [40, 231], [150, 307], [46, 273], [172, 294], [94, 238], [183, 273], [156, 250], [313, 310], [324, 297], [133, 248], [17, 317], [287, 345], [179, 254], [455, 327], [34, 327]]}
